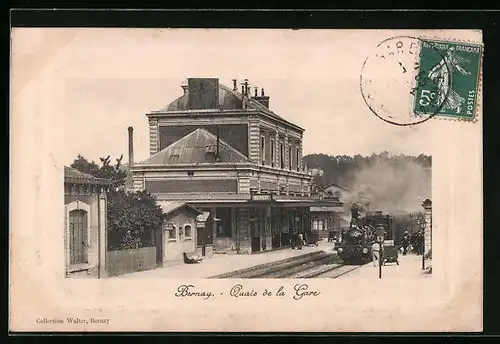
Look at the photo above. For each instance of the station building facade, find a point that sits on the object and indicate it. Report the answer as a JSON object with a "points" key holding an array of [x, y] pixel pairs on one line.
{"points": [[225, 152]]}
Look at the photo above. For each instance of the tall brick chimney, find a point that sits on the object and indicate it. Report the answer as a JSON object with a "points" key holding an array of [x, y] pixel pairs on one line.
{"points": [[130, 146]]}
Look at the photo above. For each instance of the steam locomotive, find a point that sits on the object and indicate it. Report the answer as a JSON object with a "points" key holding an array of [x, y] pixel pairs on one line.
{"points": [[356, 242], [355, 245]]}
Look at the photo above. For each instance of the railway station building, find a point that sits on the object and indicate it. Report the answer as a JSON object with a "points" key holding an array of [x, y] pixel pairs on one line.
{"points": [[225, 152]]}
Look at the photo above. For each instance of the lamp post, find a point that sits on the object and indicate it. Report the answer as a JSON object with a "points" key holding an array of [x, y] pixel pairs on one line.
{"points": [[421, 223]]}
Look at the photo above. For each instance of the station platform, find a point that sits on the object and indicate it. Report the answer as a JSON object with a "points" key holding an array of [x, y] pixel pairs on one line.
{"points": [[224, 263], [410, 266]]}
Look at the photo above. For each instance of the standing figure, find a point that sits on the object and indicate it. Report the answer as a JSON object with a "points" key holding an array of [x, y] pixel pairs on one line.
{"points": [[443, 73], [420, 242], [405, 242], [300, 241], [376, 253]]}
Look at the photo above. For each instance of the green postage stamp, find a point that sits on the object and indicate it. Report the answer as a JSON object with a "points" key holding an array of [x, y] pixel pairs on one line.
{"points": [[448, 84]]}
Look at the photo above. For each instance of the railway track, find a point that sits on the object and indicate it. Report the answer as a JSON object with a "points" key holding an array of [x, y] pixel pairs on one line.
{"points": [[318, 264]]}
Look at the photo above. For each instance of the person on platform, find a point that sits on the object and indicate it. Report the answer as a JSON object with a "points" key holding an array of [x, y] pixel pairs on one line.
{"points": [[300, 241], [376, 253], [405, 242]]}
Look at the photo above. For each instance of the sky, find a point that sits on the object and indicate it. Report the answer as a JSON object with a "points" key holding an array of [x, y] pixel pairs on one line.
{"points": [[112, 77]]}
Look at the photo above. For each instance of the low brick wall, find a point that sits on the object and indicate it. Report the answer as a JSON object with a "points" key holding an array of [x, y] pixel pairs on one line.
{"points": [[133, 260]]}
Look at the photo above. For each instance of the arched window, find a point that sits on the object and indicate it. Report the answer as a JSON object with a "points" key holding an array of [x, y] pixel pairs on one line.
{"points": [[171, 231], [188, 231]]}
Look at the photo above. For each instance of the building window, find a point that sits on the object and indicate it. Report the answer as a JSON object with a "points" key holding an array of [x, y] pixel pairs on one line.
{"points": [[318, 225], [272, 153], [297, 157], [187, 232], [289, 157], [262, 150], [282, 156], [78, 236], [170, 230], [190, 173]]}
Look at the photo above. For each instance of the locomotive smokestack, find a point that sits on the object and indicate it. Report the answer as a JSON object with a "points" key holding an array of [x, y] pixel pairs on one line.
{"points": [[130, 146]]}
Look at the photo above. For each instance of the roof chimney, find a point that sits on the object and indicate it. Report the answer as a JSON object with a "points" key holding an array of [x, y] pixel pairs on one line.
{"points": [[246, 87], [130, 146], [243, 101], [235, 87], [203, 93], [256, 88], [184, 86], [263, 99]]}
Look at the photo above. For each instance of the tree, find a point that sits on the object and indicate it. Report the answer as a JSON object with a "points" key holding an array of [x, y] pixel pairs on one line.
{"points": [[116, 173], [107, 171], [131, 217], [83, 165]]}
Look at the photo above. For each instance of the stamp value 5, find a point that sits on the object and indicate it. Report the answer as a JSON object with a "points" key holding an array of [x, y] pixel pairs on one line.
{"points": [[448, 83]]}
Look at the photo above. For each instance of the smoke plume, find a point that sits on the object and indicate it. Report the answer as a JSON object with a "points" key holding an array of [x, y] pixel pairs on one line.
{"points": [[392, 188]]}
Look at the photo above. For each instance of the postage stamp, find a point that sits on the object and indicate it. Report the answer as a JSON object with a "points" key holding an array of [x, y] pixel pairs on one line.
{"points": [[449, 79], [408, 80]]}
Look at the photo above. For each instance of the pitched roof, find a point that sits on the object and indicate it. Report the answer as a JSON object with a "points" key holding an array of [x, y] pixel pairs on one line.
{"points": [[228, 100], [170, 206], [72, 175], [192, 148]]}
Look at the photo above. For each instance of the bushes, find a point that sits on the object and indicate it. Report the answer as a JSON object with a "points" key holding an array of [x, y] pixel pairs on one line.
{"points": [[132, 219]]}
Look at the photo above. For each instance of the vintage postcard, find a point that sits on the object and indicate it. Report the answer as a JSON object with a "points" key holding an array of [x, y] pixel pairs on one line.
{"points": [[246, 180]]}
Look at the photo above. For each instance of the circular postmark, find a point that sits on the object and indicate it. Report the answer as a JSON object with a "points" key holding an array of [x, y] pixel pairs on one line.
{"points": [[404, 82]]}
